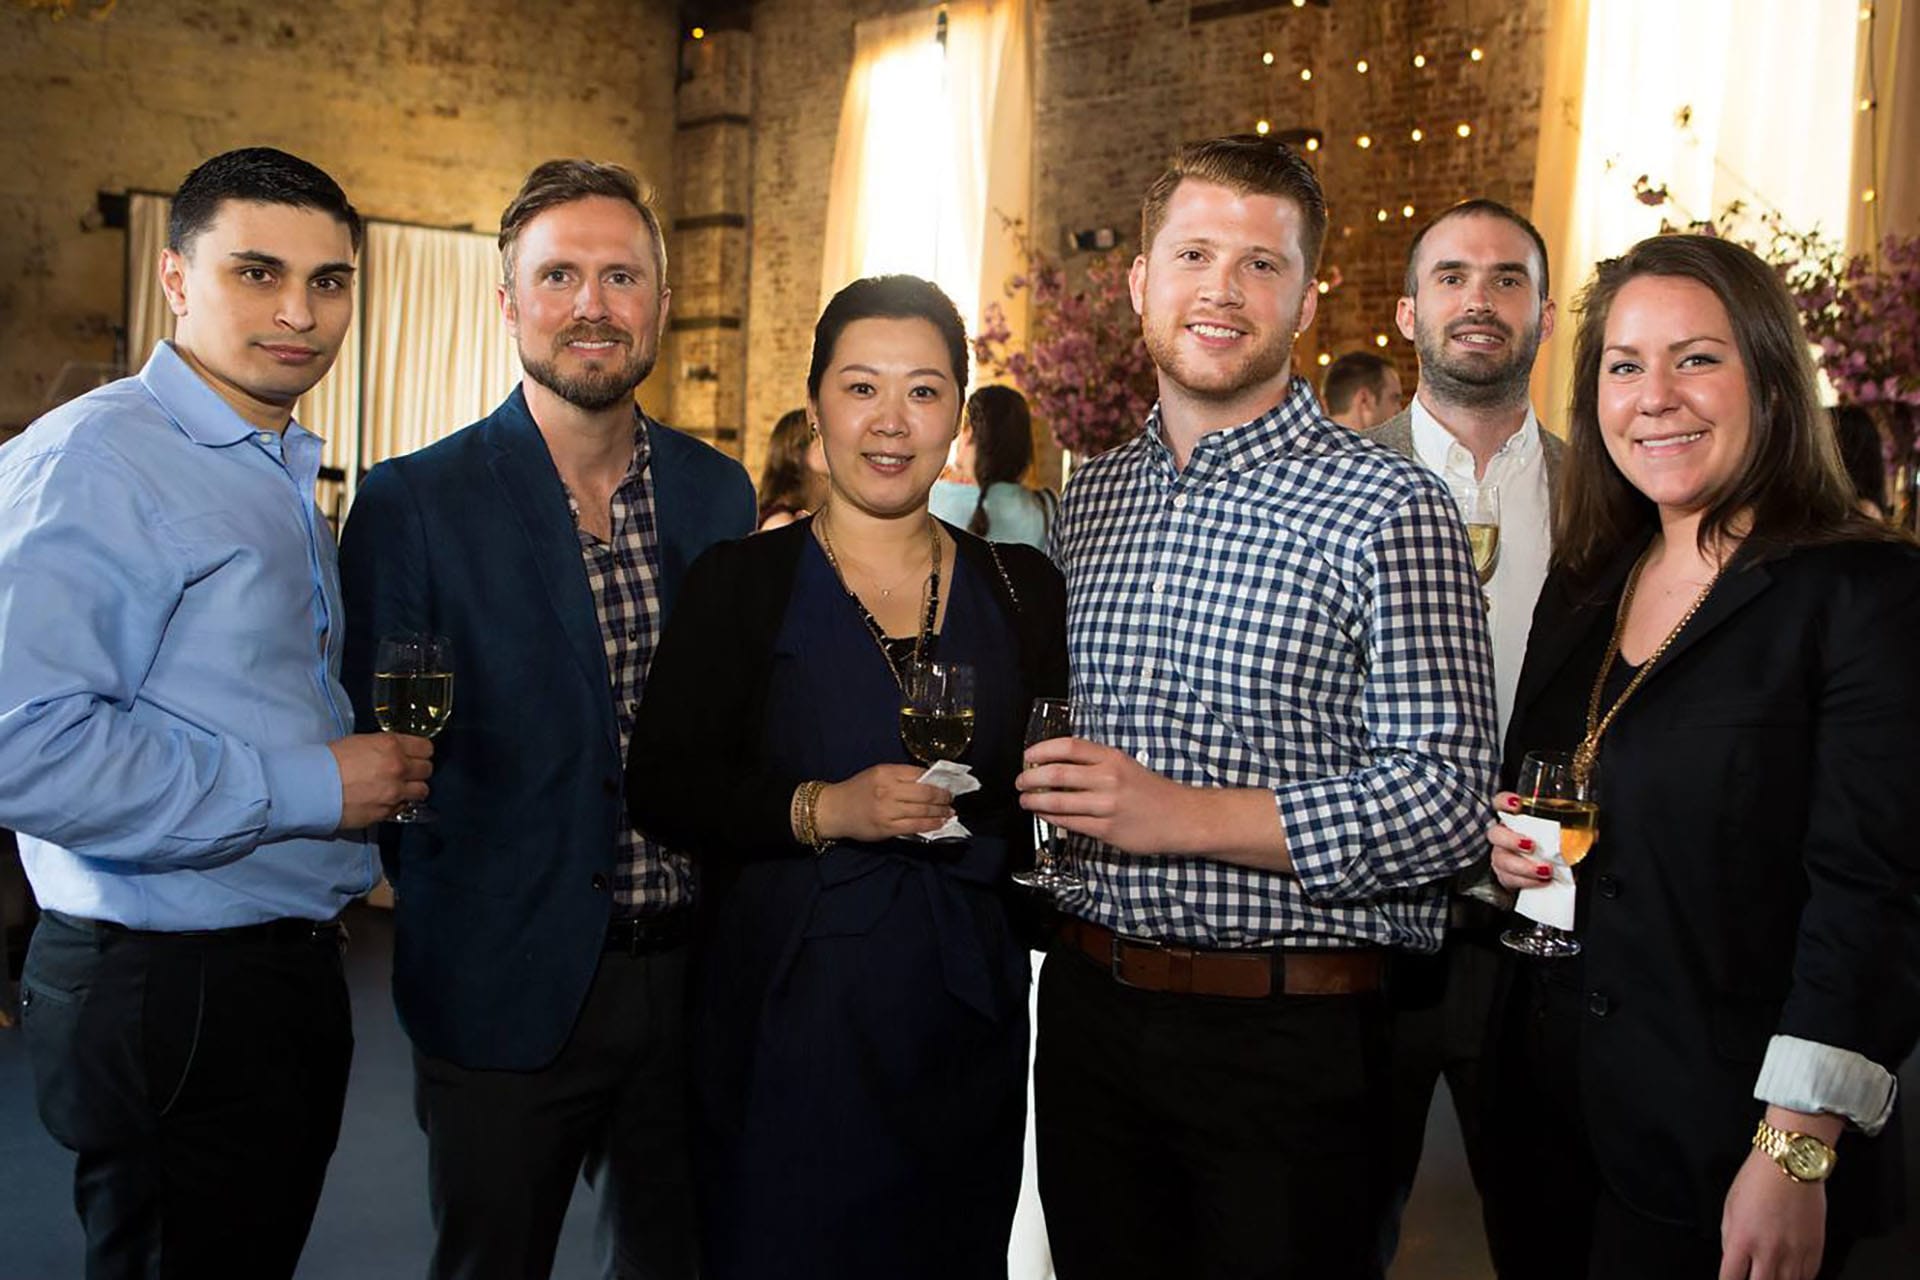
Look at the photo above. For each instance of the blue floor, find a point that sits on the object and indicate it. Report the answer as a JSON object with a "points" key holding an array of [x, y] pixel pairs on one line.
{"points": [[372, 1223]]}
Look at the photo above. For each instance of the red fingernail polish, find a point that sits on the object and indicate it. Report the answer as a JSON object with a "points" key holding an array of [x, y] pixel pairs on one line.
{"points": [[1513, 802], [1526, 844], [1544, 872]]}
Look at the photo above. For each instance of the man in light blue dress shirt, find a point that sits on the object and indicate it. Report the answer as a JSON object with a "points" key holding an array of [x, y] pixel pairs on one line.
{"points": [[176, 748]]}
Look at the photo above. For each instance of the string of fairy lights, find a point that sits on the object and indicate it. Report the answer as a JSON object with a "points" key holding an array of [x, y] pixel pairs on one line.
{"points": [[1376, 135]]}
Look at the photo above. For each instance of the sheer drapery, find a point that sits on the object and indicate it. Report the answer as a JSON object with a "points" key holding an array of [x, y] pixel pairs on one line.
{"points": [[438, 355], [1715, 101], [934, 144]]}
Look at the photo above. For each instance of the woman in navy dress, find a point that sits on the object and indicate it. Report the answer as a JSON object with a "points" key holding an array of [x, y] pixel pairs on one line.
{"points": [[859, 1028]]}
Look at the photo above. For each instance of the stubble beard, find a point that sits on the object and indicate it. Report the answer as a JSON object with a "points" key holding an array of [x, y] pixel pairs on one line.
{"points": [[592, 390], [1477, 384], [1264, 360]]}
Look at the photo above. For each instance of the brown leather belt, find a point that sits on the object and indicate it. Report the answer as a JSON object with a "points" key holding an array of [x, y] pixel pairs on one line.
{"points": [[1247, 975]]}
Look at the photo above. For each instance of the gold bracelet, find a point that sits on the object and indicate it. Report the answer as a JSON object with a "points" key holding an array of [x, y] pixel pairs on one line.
{"points": [[806, 801]]}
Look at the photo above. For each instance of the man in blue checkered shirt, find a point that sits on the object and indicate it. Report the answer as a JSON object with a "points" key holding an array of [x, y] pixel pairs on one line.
{"points": [[1283, 692]]}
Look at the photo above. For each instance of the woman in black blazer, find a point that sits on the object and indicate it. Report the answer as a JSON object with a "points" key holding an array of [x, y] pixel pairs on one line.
{"points": [[1738, 645], [859, 1027]]}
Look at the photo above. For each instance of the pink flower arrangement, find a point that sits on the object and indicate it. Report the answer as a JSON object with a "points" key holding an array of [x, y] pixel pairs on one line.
{"points": [[1865, 318], [1085, 370]]}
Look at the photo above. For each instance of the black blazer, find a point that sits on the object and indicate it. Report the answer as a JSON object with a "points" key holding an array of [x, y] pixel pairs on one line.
{"points": [[695, 778], [503, 903], [1757, 872]]}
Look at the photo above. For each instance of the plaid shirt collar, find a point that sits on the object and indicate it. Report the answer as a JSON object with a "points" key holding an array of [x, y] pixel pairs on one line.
{"points": [[1282, 430], [636, 473]]}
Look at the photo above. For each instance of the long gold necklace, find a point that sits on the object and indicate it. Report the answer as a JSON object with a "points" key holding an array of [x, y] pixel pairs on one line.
{"points": [[929, 596], [1588, 751]]}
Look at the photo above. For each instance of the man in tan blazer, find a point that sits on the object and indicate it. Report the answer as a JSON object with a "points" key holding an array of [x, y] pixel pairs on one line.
{"points": [[1477, 309]]}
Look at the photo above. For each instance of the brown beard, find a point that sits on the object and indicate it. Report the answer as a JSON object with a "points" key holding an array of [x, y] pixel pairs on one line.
{"points": [[593, 390]]}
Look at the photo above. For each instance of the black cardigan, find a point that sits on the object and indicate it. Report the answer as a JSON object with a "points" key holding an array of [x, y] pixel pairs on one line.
{"points": [[695, 779]]}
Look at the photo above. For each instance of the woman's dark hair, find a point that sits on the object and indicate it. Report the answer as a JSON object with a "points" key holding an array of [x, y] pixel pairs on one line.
{"points": [[1789, 491], [1002, 444], [888, 298], [785, 482], [1862, 452]]}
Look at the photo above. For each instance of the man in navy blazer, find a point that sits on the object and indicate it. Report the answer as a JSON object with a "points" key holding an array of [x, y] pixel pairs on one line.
{"points": [[540, 950]]}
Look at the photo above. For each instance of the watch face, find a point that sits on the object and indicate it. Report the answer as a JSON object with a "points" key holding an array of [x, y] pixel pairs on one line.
{"points": [[1808, 1159]]}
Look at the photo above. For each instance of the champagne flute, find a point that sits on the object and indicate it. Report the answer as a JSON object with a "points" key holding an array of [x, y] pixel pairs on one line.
{"points": [[413, 693], [936, 710], [1550, 789], [1480, 512], [1050, 718]]}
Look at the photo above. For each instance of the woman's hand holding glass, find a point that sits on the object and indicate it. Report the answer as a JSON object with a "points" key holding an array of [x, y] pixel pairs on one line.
{"points": [[880, 803], [1516, 862]]}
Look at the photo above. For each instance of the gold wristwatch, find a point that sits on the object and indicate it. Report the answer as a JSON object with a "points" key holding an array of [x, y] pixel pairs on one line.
{"points": [[1801, 1156]]}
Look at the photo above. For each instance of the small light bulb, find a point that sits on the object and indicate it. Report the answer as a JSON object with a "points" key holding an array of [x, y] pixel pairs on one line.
{"points": [[1464, 129], [1866, 13], [1262, 128], [1299, 4], [1379, 339], [699, 33], [1866, 197], [1361, 66], [1419, 59], [1380, 216], [1306, 73], [1323, 287], [1417, 134], [1866, 104], [1323, 359], [1267, 58], [1406, 211], [1313, 144], [1363, 141], [1477, 53]]}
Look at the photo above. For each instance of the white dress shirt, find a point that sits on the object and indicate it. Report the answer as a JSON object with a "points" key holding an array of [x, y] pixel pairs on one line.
{"points": [[1520, 471]]}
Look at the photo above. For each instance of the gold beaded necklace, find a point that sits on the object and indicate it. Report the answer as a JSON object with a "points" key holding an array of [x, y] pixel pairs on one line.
{"points": [[929, 595], [1585, 755]]}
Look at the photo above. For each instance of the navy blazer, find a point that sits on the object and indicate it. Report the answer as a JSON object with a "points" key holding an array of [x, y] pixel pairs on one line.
{"points": [[503, 903], [1756, 872]]}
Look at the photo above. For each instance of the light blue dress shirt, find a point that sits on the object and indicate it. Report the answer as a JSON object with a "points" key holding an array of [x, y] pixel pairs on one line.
{"points": [[169, 663]]}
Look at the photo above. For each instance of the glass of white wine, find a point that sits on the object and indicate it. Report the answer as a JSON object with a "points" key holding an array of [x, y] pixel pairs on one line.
{"points": [[1050, 718], [1480, 512], [1550, 789], [413, 693], [936, 710]]}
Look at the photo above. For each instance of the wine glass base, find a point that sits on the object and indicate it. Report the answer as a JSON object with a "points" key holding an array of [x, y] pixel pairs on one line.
{"points": [[415, 813], [1543, 942], [1047, 881]]}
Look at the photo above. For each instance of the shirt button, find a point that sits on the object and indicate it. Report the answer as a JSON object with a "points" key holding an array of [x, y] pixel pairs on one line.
{"points": [[1608, 886], [1146, 671], [1180, 502], [599, 882], [1599, 1004], [265, 437], [634, 634], [633, 708], [1159, 585], [1141, 756]]}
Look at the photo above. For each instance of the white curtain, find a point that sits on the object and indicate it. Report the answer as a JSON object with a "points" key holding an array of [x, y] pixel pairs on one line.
{"points": [[934, 144], [149, 319], [438, 354], [1713, 100]]}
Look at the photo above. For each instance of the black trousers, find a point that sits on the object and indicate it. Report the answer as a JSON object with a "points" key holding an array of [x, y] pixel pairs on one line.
{"points": [[1550, 1213], [504, 1148], [1208, 1138], [1442, 1004], [198, 1079]]}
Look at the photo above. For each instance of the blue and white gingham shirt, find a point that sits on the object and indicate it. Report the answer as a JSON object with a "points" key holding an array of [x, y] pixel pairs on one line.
{"points": [[1296, 611]]}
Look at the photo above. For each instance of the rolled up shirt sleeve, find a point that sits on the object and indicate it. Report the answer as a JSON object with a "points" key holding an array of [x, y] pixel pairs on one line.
{"points": [[1802, 1075]]}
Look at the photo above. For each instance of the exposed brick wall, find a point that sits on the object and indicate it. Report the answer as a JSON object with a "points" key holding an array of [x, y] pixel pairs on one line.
{"points": [[1120, 83], [425, 112]]}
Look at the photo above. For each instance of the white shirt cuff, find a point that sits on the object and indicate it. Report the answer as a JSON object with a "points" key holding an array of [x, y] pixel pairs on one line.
{"points": [[1804, 1075]]}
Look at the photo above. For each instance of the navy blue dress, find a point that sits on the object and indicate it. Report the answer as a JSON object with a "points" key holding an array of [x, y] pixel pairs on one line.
{"points": [[860, 1028]]}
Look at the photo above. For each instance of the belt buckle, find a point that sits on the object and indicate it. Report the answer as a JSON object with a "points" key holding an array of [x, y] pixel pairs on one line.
{"points": [[1114, 960]]}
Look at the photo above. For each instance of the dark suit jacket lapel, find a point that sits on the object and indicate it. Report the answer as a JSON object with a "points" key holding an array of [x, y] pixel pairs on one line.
{"points": [[1561, 620], [531, 489]]}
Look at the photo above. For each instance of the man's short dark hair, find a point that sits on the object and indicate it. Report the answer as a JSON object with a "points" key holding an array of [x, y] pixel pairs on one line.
{"points": [[556, 182], [1248, 164], [1351, 374], [1477, 208], [261, 175]]}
